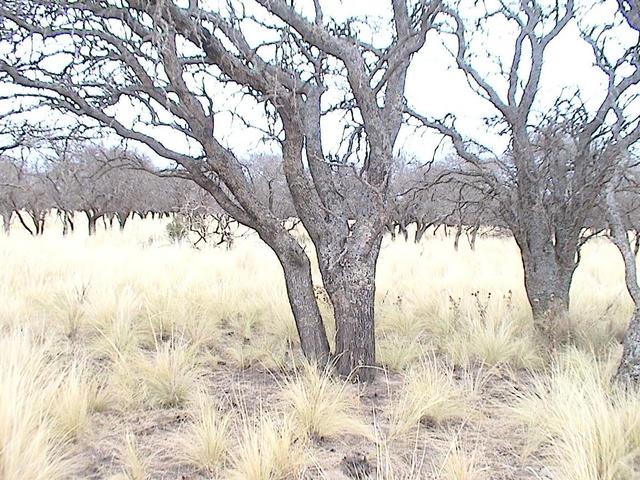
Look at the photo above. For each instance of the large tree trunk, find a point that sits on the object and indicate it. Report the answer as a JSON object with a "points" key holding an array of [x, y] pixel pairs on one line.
{"points": [[311, 330], [349, 278], [547, 283]]}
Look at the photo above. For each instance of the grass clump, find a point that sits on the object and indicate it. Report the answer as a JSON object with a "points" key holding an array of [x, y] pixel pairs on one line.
{"points": [[430, 395], [272, 449], [588, 428], [135, 466], [77, 398], [321, 406], [31, 446], [205, 442], [169, 375], [460, 465]]}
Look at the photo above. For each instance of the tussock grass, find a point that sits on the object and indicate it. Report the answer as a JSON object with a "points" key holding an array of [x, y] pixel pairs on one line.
{"points": [[460, 465], [587, 427], [31, 446], [169, 375], [321, 406], [398, 352], [206, 440], [270, 449], [77, 398], [431, 396], [115, 319], [135, 466]]}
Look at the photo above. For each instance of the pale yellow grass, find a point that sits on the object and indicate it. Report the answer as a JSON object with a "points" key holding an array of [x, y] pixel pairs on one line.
{"points": [[589, 428], [322, 406], [34, 441], [135, 322], [269, 449], [205, 442], [431, 395]]}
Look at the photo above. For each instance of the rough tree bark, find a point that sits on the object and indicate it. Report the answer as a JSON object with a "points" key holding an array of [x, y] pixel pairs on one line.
{"points": [[350, 285]]}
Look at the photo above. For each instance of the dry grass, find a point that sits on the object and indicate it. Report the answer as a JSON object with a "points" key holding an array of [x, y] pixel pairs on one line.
{"points": [[134, 465], [460, 465], [169, 375], [588, 428], [77, 398], [205, 442], [269, 449], [322, 406], [430, 396], [195, 351], [32, 446]]}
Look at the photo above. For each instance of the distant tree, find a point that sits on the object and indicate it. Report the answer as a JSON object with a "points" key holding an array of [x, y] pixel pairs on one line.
{"points": [[625, 174], [9, 184]]}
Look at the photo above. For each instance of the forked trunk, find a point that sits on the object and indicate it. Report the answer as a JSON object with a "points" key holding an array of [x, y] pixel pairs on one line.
{"points": [[421, 228], [91, 223], [122, 220]]}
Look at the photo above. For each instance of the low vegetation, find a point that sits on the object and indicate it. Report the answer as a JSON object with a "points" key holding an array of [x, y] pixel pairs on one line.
{"points": [[119, 359]]}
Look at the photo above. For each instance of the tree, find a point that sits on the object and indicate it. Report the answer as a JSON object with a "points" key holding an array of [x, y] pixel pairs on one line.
{"points": [[629, 367], [549, 179], [8, 185], [169, 59]]}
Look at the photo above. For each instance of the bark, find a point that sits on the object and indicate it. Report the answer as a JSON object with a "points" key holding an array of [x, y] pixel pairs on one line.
{"points": [[405, 232], [629, 368], [38, 218], [547, 283], [421, 228], [6, 222], [299, 282], [350, 283], [473, 238], [456, 241], [67, 223]]}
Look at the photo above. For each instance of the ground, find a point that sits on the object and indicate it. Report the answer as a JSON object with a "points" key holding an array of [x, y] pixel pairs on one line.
{"points": [[127, 356]]}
